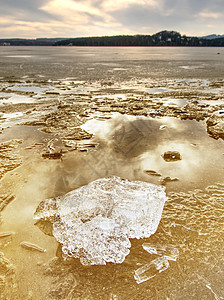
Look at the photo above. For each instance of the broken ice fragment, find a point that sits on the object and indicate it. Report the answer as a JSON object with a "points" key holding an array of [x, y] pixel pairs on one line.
{"points": [[162, 127], [158, 265], [166, 179], [150, 270], [167, 251], [6, 234], [94, 222], [101, 240], [170, 156], [32, 247], [152, 172]]}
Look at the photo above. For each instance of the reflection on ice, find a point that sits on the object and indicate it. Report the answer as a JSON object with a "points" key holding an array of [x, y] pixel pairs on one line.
{"points": [[15, 99], [94, 223], [11, 116], [9, 119], [28, 88], [140, 141], [19, 56]]}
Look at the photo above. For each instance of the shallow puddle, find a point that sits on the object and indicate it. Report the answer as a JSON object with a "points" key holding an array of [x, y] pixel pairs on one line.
{"points": [[136, 144], [29, 88], [175, 102], [15, 99]]}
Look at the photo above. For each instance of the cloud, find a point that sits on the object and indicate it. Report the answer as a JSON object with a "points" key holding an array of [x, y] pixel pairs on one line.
{"points": [[72, 11], [148, 19], [24, 10], [114, 5], [69, 18], [210, 15], [187, 16]]}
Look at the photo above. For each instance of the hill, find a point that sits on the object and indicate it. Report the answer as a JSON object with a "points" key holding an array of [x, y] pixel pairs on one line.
{"points": [[212, 36], [162, 38]]}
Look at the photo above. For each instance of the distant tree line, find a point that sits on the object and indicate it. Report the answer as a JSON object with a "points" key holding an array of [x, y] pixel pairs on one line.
{"points": [[163, 38], [29, 42]]}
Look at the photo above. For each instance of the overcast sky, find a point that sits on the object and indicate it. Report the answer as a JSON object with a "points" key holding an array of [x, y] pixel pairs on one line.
{"points": [[71, 18]]}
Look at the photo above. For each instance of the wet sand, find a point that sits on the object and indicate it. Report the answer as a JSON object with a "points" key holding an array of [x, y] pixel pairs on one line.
{"points": [[60, 132]]}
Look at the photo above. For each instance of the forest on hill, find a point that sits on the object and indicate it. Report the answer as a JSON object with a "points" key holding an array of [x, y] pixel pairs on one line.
{"points": [[162, 38]]}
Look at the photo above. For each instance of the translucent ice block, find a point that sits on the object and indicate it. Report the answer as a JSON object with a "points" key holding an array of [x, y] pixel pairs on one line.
{"points": [[94, 222]]}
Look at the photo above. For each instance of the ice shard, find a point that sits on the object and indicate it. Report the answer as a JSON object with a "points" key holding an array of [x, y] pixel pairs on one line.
{"points": [[151, 269], [158, 265], [96, 221], [168, 251]]}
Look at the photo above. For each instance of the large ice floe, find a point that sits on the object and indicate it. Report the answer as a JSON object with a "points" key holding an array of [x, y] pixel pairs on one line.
{"points": [[94, 222]]}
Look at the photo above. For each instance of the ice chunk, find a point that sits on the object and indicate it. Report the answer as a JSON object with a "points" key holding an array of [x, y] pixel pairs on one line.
{"points": [[158, 265], [94, 222], [168, 251], [95, 242], [32, 247], [151, 269]]}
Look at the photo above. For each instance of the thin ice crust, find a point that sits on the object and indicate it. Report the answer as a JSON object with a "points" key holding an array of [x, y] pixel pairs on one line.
{"points": [[94, 222]]}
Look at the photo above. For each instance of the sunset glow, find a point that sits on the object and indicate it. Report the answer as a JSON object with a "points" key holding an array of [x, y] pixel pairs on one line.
{"points": [[72, 18]]}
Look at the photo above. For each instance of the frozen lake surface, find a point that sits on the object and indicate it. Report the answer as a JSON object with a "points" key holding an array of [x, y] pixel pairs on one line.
{"points": [[72, 115]]}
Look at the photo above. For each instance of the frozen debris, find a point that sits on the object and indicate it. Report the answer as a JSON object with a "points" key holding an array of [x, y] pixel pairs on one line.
{"points": [[6, 234], [158, 265], [85, 146], [52, 152], [9, 156], [151, 269], [171, 156], [162, 127], [215, 125], [94, 222], [70, 144], [32, 247], [52, 155], [168, 251], [7, 279], [5, 199], [152, 173], [52, 93], [166, 179], [47, 210]]}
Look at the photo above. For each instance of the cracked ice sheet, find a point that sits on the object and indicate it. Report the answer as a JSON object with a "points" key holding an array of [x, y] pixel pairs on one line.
{"points": [[94, 222]]}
